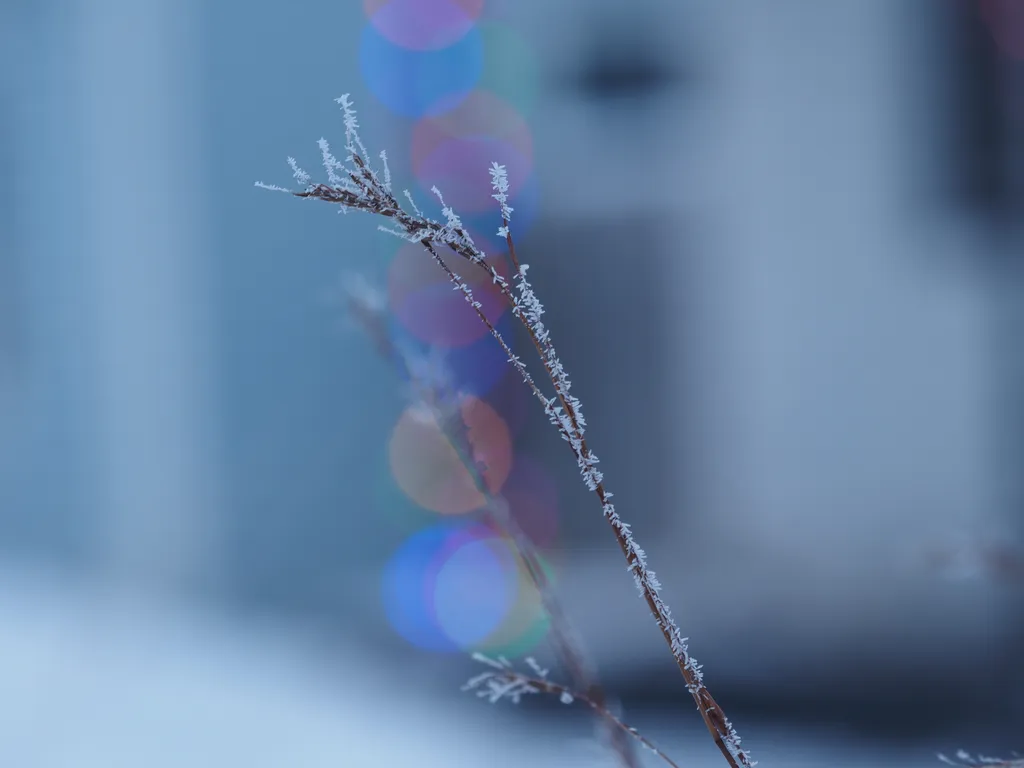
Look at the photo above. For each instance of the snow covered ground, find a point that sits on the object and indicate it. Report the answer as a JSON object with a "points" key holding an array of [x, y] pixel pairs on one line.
{"points": [[90, 680]]}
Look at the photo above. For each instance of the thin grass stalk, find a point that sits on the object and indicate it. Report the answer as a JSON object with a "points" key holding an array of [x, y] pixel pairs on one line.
{"points": [[361, 189], [444, 406], [506, 682]]}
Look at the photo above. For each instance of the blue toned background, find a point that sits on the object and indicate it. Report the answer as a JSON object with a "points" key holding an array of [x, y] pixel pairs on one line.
{"points": [[780, 250]]}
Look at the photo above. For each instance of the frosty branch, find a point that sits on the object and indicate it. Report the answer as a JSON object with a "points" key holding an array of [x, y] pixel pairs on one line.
{"points": [[501, 681], [964, 759], [433, 390], [357, 186]]}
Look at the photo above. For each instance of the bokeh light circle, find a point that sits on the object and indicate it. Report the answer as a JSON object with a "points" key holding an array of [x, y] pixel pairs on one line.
{"points": [[402, 590], [532, 496], [451, 588], [427, 467], [423, 25], [416, 83], [472, 586], [459, 167], [422, 299], [511, 68], [526, 622], [453, 150], [473, 369], [1005, 20], [511, 399], [480, 113], [392, 506]]}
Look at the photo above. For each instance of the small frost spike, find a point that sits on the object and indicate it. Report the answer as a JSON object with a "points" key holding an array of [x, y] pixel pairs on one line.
{"points": [[499, 181]]}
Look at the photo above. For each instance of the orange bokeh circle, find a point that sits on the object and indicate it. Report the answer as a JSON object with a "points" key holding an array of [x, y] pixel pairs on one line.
{"points": [[427, 467]]}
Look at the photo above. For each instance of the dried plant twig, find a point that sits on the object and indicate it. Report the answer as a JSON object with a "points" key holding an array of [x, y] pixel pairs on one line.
{"points": [[1000, 562], [444, 405], [504, 682], [963, 758], [358, 186]]}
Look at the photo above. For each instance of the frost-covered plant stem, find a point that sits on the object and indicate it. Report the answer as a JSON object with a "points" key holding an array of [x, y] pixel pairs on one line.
{"points": [[444, 406], [647, 583], [966, 760], [504, 682], [361, 189]]}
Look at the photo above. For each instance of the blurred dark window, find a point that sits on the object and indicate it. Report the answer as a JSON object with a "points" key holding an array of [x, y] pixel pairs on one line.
{"points": [[987, 104], [619, 367]]}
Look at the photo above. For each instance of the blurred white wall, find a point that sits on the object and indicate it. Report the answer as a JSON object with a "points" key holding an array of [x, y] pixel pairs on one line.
{"points": [[840, 369], [153, 462]]}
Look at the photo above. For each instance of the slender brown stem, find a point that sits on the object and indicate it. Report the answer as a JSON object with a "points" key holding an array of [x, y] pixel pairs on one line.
{"points": [[369, 195], [713, 716], [507, 679], [599, 707], [451, 424]]}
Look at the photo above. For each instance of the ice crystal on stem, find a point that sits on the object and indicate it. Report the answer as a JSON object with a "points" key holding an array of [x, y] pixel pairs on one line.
{"points": [[357, 186], [502, 681]]}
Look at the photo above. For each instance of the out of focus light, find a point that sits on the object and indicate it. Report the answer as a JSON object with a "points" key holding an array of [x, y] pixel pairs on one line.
{"points": [[421, 297], [1005, 20], [414, 83], [526, 623], [453, 587], [467, 83], [423, 25], [473, 369], [472, 586], [511, 399], [532, 496], [403, 595], [511, 69], [454, 149], [392, 507], [428, 469]]}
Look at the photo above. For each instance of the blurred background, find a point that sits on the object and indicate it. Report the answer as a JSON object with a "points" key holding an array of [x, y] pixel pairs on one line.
{"points": [[781, 253]]}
